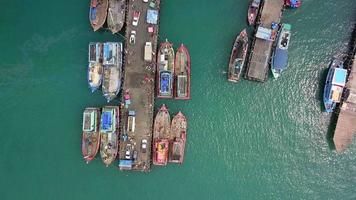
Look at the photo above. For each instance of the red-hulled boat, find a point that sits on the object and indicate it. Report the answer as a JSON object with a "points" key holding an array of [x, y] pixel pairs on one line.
{"points": [[161, 133], [182, 73], [165, 70], [253, 9], [91, 136], [179, 130]]}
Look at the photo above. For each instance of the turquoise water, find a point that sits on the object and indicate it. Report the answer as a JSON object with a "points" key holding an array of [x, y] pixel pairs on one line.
{"points": [[246, 141]]}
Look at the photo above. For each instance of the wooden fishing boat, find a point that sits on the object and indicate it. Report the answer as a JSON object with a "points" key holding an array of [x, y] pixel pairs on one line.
{"points": [[109, 131], [112, 70], [161, 133], [116, 15], [97, 13], [91, 136], [182, 73], [179, 130], [253, 10], [238, 57], [165, 70]]}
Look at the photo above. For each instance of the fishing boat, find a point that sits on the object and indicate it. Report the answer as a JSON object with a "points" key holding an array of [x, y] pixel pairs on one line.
{"points": [[252, 12], [112, 62], [165, 70], [182, 73], [116, 15], [91, 135], [238, 57], [161, 133], [97, 13], [293, 3], [95, 68], [109, 126], [179, 130], [280, 54], [334, 84]]}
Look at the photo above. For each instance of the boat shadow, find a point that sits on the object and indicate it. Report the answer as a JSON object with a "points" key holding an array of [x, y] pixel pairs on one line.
{"points": [[331, 130]]}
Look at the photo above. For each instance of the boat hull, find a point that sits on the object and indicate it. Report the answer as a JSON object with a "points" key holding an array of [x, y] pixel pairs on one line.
{"points": [[116, 15], [165, 63], [252, 12], [112, 76], [279, 60], [182, 74], [238, 57], [98, 13], [179, 131]]}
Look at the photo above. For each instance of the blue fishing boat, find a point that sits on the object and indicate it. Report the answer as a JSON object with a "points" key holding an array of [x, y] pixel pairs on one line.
{"points": [[280, 54], [334, 85]]}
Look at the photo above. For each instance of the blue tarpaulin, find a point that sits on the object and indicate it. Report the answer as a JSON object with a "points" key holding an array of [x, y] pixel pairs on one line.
{"points": [[93, 14], [106, 120], [152, 16]]}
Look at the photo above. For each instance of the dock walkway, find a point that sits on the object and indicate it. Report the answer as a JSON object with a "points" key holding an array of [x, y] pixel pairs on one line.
{"points": [[257, 67], [346, 123], [139, 81]]}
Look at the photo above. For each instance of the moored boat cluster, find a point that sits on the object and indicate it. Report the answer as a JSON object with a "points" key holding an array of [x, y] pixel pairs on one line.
{"points": [[173, 72], [110, 11], [105, 68], [277, 34], [120, 131], [169, 138]]}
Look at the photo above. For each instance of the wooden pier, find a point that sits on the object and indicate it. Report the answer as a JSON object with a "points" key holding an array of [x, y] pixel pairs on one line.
{"points": [[346, 123], [139, 84], [257, 67]]}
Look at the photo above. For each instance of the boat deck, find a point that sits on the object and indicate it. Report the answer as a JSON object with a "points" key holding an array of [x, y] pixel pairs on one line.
{"points": [[139, 80], [346, 126], [257, 67]]}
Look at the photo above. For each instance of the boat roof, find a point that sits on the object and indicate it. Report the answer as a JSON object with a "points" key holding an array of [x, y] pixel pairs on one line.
{"points": [[89, 120], [339, 77], [280, 59]]}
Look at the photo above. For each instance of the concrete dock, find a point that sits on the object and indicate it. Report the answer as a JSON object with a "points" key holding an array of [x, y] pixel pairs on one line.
{"points": [[346, 123], [257, 67], [139, 84]]}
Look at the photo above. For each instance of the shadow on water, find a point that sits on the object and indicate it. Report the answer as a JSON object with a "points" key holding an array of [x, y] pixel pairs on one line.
{"points": [[331, 130]]}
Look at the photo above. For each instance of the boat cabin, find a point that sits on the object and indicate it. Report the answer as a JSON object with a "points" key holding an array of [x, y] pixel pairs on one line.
{"points": [[89, 124], [182, 81]]}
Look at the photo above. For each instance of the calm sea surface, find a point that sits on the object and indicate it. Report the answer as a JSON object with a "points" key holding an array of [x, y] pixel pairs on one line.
{"points": [[246, 141]]}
